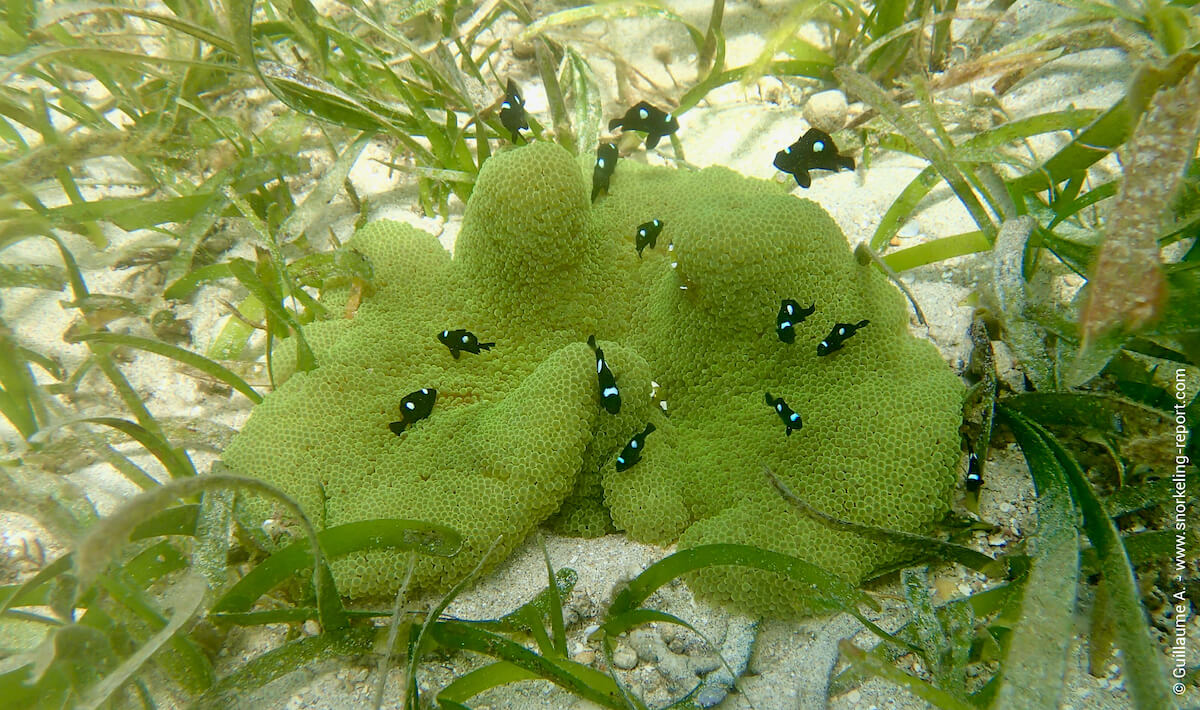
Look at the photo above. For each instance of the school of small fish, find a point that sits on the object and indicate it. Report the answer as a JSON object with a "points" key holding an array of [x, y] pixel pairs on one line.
{"points": [[815, 150]]}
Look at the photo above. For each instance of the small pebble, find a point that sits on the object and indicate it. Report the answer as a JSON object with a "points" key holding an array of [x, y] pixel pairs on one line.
{"points": [[894, 241], [997, 540], [585, 657], [624, 657], [826, 110], [646, 644], [523, 50]]}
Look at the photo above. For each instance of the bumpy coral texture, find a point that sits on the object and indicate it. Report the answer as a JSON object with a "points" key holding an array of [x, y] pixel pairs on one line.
{"points": [[518, 435]]}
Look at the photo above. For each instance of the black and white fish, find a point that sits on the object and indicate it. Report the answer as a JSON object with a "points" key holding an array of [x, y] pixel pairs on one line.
{"points": [[838, 336], [644, 117], [610, 396], [790, 418], [814, 151], [460, 341], [974, 475], [512, 111], [632, 453], [413, 408], [647, 235], [606, 163], [790, 314]]}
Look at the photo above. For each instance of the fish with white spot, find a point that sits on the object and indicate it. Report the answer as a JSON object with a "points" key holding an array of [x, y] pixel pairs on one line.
{"points": [[512, 111], [791, 314], [610, 396], [460, 341], [814, 151], [647, 235], [838, 336], [644, 117], [974, 479], [413, 408], [790, 418], [606, 164], [632, 453]]}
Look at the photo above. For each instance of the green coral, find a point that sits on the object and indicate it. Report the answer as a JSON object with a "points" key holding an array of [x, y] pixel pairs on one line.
{"points": [[518, 434]]}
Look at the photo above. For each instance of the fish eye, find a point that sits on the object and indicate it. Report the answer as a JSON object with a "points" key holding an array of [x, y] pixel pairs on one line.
{"points": [[464, 338], [642, 112], [505, 105], [819, 145], [445, 334], [409, 405], [669, 118], [841, 331], [779, 407], [641, 232], [633, 444], [600, 162]]}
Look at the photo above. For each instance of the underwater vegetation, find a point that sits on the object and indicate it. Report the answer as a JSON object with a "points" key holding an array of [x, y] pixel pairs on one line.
{"points": [[519, 433], [688, 356]]}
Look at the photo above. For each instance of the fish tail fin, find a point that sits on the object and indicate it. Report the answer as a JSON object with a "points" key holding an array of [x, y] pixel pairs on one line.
{"points": [[770, 400], [649, 428], [455, 353], [592, 342], [847, 162], [486, 346], [788, 432], [612, 125], [862, 323], [652, 140]]}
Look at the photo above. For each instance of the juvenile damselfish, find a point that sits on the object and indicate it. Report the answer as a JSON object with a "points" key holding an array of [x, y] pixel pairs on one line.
{"points": [[814, 151], [790, 314], [460, 341], [644, 117], [606, 163], [789, 417], [647, 235], [632, 453], [413, 408], [974, 476], [512, 111], [838, 336], [610, 396]]}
